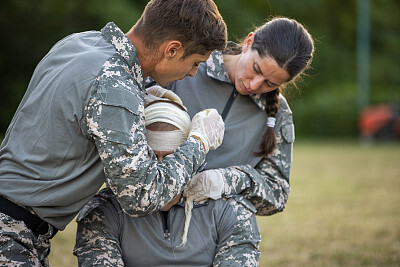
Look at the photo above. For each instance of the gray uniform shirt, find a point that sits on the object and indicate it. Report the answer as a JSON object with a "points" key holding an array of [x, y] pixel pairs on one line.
{"points": [[221, 233], [80, 124]]}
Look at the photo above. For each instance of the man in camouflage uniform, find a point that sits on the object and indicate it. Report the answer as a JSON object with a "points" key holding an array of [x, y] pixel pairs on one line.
{"points": [[81, 124], [220, 232]]}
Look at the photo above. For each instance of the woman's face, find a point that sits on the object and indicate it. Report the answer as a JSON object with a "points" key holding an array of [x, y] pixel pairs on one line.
{"points": [[256, 75]]}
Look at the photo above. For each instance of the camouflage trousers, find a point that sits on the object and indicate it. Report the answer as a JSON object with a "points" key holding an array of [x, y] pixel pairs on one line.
{"points": [[19, 246]]}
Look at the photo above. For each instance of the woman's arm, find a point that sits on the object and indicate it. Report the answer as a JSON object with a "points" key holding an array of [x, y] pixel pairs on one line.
{"points": [[266, 185]]}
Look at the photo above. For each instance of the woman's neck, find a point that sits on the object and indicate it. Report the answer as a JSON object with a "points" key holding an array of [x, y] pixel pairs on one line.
{"points": [[230, 62]]}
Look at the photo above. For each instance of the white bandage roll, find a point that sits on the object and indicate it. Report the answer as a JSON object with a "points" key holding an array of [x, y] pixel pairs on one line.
{"points": [[169, 113]]}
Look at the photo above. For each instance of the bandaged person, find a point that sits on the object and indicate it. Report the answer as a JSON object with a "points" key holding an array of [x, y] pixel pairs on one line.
{"points": [[179, 233]]}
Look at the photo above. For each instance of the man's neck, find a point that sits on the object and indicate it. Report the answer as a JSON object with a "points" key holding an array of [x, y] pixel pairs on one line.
{"points": [[147, 59]]}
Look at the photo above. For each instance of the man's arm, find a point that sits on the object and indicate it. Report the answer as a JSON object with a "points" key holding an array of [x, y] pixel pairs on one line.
{"points": [[114, 119]]}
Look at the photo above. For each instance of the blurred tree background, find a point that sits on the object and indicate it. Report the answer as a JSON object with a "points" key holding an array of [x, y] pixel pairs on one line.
{"points": [[325, 104]]}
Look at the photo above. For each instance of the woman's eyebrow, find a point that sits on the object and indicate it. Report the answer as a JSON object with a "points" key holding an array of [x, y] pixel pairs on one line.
{"points": [[260, 71]]}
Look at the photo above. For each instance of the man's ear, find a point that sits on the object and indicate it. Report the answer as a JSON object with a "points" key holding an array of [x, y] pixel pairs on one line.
{"points": [[248, 42], [172, 48]]}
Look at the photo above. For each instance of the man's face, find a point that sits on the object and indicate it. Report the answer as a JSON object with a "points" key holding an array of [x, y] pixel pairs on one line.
{"points": [[176, 68]]}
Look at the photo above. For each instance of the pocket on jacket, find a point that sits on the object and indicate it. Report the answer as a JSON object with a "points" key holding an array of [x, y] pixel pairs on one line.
{"points": [[119, 113]]}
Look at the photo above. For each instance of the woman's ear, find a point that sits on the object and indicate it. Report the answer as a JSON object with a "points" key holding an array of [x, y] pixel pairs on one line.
{"points": [[172, 48], [248, 42]]}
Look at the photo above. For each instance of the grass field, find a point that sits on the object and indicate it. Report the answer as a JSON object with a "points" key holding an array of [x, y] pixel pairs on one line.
{"points": [[344, 210]]}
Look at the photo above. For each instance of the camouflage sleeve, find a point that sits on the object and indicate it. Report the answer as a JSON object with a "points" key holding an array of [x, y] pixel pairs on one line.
{"points": [[97, 242], [114, 118], [238, 243], [266, 185]]}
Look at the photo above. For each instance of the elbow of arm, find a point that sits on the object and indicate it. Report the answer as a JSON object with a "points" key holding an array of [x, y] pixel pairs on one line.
{"points": [[140, 208], [276, 204], [137, 212]]}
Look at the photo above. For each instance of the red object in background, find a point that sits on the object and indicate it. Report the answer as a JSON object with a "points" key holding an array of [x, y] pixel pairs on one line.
{"points": [[380, 122]]}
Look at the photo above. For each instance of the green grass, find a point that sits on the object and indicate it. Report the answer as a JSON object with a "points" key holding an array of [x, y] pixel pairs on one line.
{"points": [[344, 210]]}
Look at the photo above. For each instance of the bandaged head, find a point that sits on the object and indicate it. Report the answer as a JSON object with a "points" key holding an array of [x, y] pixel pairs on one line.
{"points": [[163, 109]]}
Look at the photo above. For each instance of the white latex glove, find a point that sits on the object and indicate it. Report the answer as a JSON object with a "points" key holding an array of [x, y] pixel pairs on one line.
{"points": [[209, 127], [157, 92], [204, 185]]}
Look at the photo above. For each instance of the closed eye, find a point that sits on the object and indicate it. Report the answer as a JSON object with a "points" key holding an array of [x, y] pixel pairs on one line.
{"points": [[270, 84], [256, 69]]}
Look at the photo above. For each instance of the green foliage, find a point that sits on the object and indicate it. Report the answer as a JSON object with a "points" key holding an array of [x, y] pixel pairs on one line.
{"points": [[331, 112], [30, 28]]}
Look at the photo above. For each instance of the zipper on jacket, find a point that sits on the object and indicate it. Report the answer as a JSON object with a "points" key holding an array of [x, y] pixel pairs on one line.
{"points": [[165, 220], [229, 104]]}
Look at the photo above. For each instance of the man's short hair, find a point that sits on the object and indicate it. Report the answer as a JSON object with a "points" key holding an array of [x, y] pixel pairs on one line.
{"points": [[197, 24]]}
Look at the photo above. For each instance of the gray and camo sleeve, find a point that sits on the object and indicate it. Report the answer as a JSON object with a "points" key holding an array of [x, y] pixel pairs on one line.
{"points": [[266, 185], [114, 119]]}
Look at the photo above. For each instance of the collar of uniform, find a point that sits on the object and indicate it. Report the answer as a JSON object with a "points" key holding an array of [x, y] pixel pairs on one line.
{"points": [[126, 49], [216, 70]]}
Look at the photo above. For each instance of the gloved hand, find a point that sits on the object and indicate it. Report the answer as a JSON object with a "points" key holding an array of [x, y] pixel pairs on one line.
{"points": [[204, 185], [157, 92], [208, 126]]}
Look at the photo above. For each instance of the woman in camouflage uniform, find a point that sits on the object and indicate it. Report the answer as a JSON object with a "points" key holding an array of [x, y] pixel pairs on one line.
{"points": [[244, 84]]}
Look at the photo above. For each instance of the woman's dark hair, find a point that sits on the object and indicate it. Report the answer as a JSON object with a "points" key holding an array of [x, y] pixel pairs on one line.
{"points": [[292, 47], [286, 41]]}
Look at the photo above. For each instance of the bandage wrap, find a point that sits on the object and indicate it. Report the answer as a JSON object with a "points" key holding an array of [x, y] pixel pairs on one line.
{"points": [[204, 185], [163, 110]]}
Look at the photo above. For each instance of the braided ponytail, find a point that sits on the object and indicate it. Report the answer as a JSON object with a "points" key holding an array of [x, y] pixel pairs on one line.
{"points": [[291, 46], [269, 140]]}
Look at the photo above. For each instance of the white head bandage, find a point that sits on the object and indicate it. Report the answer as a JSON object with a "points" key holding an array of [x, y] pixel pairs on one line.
{"points": [[271, 122], [165, 140], [171, 114]]}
